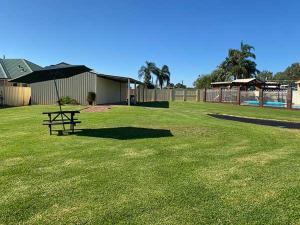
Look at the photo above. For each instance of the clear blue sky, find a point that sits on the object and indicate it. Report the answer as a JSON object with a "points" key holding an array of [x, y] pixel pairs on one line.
{"points": [[116, 37]]}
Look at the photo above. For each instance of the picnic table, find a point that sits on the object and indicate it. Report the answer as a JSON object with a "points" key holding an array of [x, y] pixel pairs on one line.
{"points": [[61, 118]]}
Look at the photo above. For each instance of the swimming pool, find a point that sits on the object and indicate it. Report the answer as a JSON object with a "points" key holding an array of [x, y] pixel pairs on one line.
{"points": [[268, 103]]}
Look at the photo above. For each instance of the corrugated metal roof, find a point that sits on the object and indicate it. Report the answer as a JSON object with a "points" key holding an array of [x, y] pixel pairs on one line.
{"points": [[119, 78], [244, 80], [2, 71], [13, 68], [220, 83]]}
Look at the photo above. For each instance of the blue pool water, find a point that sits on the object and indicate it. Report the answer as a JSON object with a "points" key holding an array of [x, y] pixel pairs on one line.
{"points": [[272, 104]]}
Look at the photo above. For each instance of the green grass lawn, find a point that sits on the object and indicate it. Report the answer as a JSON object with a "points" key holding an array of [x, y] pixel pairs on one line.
{"points": [[173, 165]]}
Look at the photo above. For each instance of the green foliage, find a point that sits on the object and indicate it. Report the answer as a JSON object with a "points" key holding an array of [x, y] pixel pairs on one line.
{"points": [[180, 85], [290, 74], [68, 101], [162, 75], [239, 62], [218, 75], [91, 97], [149, 70], [203, 81], [237, 65], [265, 75], [146, 72]]}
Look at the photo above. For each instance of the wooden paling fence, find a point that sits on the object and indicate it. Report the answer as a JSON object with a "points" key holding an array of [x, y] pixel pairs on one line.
{"points": [[14, 96], [263, 98]]}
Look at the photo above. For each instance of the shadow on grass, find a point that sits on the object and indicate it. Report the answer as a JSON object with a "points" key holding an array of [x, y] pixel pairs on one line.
{"points": [[162, 104], [273, 123], [125, 133]]}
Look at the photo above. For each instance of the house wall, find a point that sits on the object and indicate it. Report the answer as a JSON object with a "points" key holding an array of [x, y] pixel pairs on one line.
{"points": [[110, 91], [76, 87]]}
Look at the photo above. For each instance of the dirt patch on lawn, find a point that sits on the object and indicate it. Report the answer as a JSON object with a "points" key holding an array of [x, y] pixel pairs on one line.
{"points": [[98, 108]]}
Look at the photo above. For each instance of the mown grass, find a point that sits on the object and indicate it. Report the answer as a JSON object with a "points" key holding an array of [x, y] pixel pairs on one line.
{"points": [[173, 165]]}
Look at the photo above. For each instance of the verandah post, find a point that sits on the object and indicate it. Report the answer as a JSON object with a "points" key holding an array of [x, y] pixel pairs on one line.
{"points": [[135, 93], [128, 92]]}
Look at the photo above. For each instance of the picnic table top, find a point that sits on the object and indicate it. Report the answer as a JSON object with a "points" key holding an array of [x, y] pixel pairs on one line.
{"points": [[59, 112]]}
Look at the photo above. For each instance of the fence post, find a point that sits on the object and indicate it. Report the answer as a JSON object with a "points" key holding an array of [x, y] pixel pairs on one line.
{"points": [[261, 97], [184, 94], [289, 98], [155, 94], [171, 95], [220, 94], [238, 96], [204, 95], [198, 95]]}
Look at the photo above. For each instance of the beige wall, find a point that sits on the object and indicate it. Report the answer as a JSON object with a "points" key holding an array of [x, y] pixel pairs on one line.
{"points": [[110, 91], [76, 87]]}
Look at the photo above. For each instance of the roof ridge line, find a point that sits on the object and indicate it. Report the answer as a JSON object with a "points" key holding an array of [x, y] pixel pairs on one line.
{"points": [[25, 62]]}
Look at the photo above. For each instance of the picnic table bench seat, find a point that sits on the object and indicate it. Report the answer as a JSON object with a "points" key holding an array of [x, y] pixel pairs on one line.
{"points": [[61, 118]]}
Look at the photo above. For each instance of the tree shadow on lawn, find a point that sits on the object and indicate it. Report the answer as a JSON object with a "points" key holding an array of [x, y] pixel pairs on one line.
{"points": [[162, 104], [125, 133], [273, 123]]}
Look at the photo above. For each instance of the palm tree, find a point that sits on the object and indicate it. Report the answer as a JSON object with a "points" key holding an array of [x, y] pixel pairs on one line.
{"points": [[239, 62], [162, 75], [146, 72]]}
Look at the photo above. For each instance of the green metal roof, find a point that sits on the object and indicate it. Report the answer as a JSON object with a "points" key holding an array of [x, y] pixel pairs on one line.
{"points": [[13, 68]]}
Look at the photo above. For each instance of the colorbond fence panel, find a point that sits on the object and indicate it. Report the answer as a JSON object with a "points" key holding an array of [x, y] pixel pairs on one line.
{"points": [[15, 96]]}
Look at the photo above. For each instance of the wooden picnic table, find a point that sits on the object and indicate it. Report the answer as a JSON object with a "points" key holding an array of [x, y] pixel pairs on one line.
{"points": [[61, 118]]}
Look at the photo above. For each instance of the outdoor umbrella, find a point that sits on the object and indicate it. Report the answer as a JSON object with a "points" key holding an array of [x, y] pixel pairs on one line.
{"points": [[54, 73]]}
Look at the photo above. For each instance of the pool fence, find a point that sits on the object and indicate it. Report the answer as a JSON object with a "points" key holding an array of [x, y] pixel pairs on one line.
{"points": [[288, 98]]}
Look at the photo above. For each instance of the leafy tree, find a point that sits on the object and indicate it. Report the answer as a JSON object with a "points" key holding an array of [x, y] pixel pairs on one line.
{"points": [[146, 72], [239, 62], [203, 81], [289, 75], [162, 75], [170, 85], [264, 75], [218, 75], [180, 85]]}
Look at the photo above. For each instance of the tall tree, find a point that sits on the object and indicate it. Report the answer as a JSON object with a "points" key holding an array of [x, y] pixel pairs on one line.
{"points": [[146, 72], [289, 75], [239, 62], [162, 75], [265, 75]]}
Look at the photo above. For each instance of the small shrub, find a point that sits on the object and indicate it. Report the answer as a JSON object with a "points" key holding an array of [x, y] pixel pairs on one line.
{"points": [[68, 101], [91, 97]]}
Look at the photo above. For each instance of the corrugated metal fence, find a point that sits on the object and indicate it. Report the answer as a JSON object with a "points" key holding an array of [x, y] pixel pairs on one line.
{"points": [[14, 96]]}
